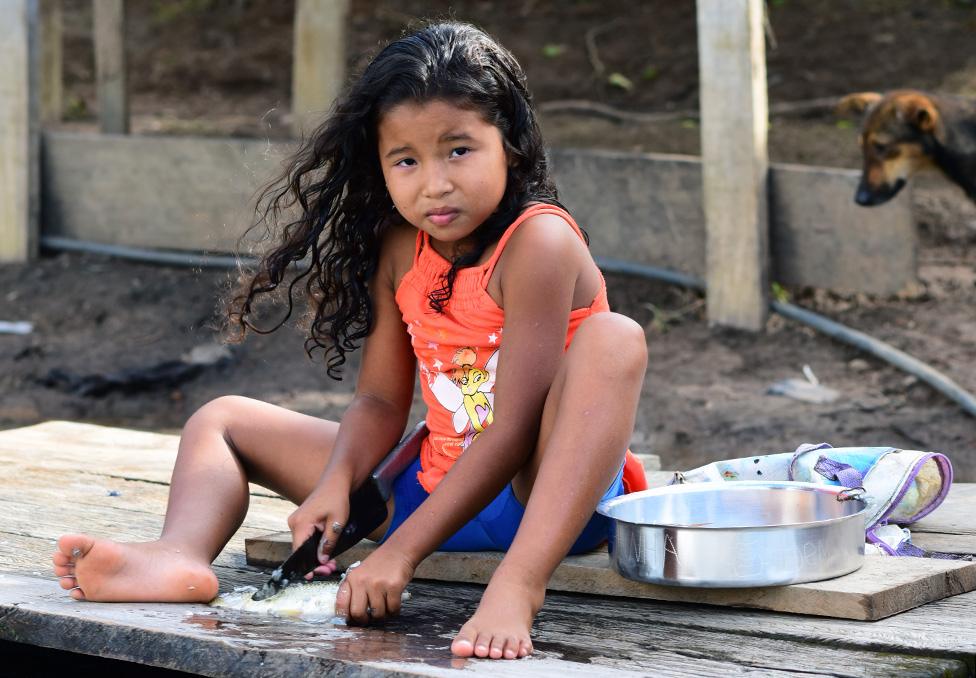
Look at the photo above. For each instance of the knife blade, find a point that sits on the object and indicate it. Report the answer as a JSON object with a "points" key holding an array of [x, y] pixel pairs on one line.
{"points": [[367, 511]]}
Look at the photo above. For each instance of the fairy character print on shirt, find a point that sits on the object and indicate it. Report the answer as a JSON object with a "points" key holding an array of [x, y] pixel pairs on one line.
{"points": [[467, 392]]}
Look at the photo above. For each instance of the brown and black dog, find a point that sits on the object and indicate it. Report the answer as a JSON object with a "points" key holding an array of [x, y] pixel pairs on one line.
{"points": [[906, 130]]}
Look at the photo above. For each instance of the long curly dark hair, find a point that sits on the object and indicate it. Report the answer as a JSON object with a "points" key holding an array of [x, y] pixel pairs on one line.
{"points": [[334, 192]]}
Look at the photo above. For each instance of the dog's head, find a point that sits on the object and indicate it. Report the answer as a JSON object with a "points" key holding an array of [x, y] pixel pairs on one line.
{"points": [[897, 131]]}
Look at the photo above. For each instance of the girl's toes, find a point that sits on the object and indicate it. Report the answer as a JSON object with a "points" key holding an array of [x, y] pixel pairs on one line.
{"points": [[64, 571], [67, 582], [525, 648], [511, 648], [76, 593], [463, 645], [74, 546], [496, 648], [482, 645], [60, 559]]}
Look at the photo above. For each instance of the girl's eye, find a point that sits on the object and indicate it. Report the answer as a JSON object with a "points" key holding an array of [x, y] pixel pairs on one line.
{"points": [[405, 162], [459, 151]]}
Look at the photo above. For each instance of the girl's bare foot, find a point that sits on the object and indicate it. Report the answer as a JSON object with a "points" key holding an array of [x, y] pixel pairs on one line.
{"points": [[500, 627], [108, 571]]}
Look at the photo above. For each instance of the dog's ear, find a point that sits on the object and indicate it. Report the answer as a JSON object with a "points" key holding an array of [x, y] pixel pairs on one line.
{"points": [[918, 110], [854, 104]]}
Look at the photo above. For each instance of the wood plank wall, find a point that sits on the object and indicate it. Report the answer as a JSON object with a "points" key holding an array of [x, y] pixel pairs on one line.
{"points": [[18, 130], [319, 63], [110, 66], [732, 65]]}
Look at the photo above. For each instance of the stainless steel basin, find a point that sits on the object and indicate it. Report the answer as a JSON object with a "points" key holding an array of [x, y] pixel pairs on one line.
{"points": [[736, 534]]}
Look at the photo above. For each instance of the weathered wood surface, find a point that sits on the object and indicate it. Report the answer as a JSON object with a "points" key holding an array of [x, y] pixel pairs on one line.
{"points": [[881, 588], [575, 635], [735, 164], [319, 61], [51, 78], [110, 66], [19, 90], [639, 207], [201, 640]]}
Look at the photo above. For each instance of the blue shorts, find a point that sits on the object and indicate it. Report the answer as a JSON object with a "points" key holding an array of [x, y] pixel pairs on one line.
{"points": [[494, 528]]}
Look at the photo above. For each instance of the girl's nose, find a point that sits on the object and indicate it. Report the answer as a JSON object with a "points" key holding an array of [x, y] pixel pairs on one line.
{"points": [[437, 182]]}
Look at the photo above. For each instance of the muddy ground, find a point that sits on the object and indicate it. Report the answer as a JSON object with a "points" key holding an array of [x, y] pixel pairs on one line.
{"points": [[222, 67]]}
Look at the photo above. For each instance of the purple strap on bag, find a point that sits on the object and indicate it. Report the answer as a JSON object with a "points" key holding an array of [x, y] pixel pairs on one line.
{"points": [[803, 449], [845, 474], [906, 548]]}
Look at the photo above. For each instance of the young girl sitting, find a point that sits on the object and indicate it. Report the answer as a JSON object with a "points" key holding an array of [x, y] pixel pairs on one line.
{"points": [[427, 225]]}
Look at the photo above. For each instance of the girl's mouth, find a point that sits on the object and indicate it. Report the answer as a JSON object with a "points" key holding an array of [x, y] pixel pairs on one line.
{"points": [[442, 217]]}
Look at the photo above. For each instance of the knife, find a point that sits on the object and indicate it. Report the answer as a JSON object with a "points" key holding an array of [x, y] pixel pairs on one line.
{"points": [[367, 511]]}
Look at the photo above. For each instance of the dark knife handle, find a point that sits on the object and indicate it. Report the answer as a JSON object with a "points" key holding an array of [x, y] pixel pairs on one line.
{"points": [[367, 511]]}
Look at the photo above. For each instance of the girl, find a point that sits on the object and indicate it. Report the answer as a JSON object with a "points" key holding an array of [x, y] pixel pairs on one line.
{"points": [[434, 234]]}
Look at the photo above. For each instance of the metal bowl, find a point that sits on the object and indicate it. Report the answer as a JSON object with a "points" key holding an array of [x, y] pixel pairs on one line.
{"points": [[736, 534]]}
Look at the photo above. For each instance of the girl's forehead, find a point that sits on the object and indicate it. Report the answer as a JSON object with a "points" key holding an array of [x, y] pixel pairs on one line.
{"points": [[429, 120]]}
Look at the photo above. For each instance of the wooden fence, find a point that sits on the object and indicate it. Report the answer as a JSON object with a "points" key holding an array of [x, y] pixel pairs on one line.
{"points": [[728, 217]]}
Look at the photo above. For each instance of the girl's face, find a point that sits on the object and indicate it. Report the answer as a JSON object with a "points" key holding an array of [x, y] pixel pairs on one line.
{"points": [[445, 169]]}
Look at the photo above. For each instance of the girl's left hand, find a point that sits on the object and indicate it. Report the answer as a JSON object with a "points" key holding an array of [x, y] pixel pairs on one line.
{"points": [[372, 590]]}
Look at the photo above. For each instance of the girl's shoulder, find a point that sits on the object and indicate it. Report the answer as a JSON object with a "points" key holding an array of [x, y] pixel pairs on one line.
{"points": [[543, 240], [550, 232]]}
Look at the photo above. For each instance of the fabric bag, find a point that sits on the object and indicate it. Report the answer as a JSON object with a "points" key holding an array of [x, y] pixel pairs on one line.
{"points": [[899, 486]]}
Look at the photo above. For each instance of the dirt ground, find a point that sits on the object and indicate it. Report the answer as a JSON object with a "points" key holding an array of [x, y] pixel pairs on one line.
{"points": [[218, 67]]}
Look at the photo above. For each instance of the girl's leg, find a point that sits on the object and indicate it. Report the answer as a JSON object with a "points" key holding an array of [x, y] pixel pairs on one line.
{"points": [[225, 444], [587, 423]]}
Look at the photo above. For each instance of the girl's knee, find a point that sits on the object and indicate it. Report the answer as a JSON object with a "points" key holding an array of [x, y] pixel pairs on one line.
{"points": [[215, 416], [618, 340]]}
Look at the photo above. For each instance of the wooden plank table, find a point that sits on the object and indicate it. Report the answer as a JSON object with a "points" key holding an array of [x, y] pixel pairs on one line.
{"points": [[57, 477]]}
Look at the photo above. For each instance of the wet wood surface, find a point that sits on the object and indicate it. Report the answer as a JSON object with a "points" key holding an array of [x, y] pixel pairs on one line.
{"points": [[62, 477], [880, 588]]}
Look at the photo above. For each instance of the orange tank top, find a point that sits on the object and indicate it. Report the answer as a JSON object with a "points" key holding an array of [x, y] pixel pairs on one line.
{"points": [[457, 350]]}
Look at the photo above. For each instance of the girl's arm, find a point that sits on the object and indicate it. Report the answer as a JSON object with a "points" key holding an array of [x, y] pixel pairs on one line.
{"points": [[377, 416], [542, 264]]}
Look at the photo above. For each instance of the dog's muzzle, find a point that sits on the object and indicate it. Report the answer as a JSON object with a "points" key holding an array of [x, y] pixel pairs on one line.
{"points": [[867, 196]]}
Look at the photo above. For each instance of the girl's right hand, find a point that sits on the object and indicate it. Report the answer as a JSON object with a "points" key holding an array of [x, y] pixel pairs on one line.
{"points": [[327, 509]]}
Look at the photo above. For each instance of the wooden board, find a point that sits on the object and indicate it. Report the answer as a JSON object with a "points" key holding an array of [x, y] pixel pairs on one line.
{"points": [[568, 644], [950, 528], [110, 66], [319, 64], [19, 90], [735, 163], [881, 588], [574, 635]]}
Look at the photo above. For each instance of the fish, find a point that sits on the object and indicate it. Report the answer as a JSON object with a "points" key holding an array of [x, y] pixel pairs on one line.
{"points": [[312, 601], [309, 600]]}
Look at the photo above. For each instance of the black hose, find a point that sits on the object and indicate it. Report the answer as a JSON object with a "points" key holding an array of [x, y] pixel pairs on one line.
{"points": [[832, 329]]}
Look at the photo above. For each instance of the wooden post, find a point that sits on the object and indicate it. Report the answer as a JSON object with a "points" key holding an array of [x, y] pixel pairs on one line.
{"points": [[18, 130], [51, 73], [732, 64], [319, 66], [113, 99]]}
